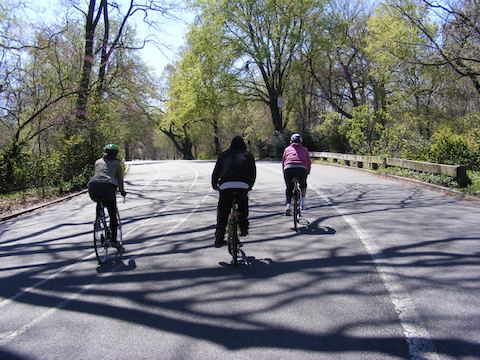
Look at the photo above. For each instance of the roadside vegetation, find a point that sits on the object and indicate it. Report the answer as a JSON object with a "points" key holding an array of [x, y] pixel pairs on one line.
{"points": [[392, 78], [437, 179]]}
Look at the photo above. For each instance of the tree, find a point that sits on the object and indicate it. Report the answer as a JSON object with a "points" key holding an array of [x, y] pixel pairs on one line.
{"points": [[35, 80], [336, 59], [268, 36], [456, 38], [108, 44], [200, 88]]}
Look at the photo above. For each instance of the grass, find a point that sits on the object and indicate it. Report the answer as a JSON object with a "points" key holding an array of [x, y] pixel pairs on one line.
{"points": [[441, 180], [19, 200], [437, 179], [474, 187]]}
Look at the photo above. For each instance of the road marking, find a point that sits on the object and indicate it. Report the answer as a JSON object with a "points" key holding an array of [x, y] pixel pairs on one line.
{"points": [[420, 345], [92, 255], [12, 335]]}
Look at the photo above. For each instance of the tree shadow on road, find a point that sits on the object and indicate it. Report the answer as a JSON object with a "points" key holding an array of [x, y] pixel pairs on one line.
{"points": [[321, 277]]}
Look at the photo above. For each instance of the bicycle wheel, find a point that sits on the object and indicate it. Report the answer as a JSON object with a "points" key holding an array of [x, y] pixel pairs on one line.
{"points": [[296, 207], [101, 241], [119, 230], [234, 243], [233, 235]]}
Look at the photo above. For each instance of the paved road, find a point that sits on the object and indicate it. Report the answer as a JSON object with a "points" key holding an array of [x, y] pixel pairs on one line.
{"points": [[386, 270]]}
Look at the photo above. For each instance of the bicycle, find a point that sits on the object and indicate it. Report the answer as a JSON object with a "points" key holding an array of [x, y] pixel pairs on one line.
{"points": [[102, 235], [297, 214], [232, 234]]}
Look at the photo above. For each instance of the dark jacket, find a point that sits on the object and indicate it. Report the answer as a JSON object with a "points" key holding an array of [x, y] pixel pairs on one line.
{"points": [[235, 164]]}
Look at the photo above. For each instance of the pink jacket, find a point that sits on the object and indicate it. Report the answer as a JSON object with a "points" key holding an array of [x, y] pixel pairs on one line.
{"points": [[296, 155]]}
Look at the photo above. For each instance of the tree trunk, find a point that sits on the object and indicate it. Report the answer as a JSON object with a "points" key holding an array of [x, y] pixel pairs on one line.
{"points": [[276, 113], [186, 150], [216, 139], [88, 59], [182, 145], [127, 152]]}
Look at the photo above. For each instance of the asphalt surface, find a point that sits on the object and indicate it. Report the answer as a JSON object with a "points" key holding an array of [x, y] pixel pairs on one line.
{"points": [[385, 270]]}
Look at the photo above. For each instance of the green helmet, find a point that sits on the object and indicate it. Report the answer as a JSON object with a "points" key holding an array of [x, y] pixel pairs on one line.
{"points": [[111, 149]]}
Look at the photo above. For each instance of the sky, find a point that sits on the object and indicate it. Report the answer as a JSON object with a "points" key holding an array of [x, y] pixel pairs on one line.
{"points": [[171, 34]]}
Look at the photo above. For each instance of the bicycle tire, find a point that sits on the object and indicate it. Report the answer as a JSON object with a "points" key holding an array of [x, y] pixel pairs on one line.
{"points": [[235, 242], [100, 239], [296, 207], [232, 233], [119, 230]]}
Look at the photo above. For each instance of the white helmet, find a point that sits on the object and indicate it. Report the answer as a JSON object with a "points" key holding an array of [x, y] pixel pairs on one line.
{"points": [[296, 138]]}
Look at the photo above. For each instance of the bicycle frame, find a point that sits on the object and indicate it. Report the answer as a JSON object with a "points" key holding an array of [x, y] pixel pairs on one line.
{"points": [[102, 234]]}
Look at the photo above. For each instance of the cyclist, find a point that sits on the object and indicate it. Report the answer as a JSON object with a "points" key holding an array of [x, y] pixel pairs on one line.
{"points": [[103, 185], [234, 175], [296, 163]]}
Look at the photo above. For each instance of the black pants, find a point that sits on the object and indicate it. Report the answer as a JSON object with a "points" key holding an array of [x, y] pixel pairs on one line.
{"points": [[106, 193], [223, 210], [288, 175]]}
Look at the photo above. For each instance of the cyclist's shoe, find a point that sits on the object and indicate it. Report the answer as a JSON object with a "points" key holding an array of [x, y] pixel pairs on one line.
{"points": [[288, 212], [220, 243], [243, 232], [117, 246]]}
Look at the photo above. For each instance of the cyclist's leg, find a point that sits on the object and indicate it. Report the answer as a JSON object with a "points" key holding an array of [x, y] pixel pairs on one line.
{"points": [[94, 190], [288, 175], [105, 193], [224, 204], [242, 201], [302, 181], [110, 202]]}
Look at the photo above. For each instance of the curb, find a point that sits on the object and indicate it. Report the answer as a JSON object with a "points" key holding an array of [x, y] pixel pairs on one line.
{"points": [[448, 191], [36, 207]]}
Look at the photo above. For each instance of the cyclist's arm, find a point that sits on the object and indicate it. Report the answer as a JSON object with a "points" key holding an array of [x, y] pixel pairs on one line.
{"points": [[215, 175], [283, 158], [120, 178], [308, 162], [253, 171]]}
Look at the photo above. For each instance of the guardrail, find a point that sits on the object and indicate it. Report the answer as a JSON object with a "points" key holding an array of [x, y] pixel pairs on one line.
{"points": [[459, 172]]}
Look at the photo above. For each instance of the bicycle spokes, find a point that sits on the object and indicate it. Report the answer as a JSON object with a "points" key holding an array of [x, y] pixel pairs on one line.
{"points": [[102, 237]]}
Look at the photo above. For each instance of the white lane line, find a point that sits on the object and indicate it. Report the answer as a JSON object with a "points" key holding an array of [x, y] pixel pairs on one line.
{"points": [[418, 339], [12, 335], [92, 255]]}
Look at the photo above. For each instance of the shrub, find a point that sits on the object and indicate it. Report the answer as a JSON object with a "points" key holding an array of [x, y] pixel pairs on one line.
{"points": [[450, 148], [273, 147]]}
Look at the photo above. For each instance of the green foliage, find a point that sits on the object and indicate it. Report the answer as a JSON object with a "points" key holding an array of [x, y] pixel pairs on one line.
{"points": [[364, 130], [273, 147], [437, 179], [391, 41], [474, 187], [450, 148], [16, 169], [76, 159], [331, 137]]}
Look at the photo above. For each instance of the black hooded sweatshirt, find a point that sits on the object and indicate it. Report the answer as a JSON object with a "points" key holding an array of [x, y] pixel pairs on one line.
{"points": [[235, 164]]}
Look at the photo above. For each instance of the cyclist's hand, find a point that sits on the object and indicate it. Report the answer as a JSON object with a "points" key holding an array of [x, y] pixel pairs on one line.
{"points": [[123, 193]]}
